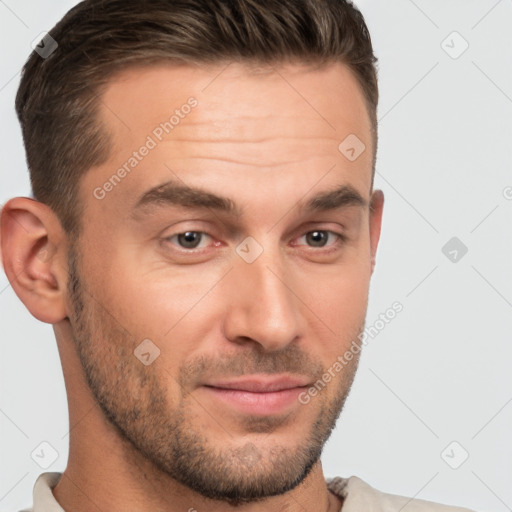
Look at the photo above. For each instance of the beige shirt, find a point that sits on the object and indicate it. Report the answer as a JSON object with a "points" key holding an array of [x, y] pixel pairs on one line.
{"points": [[357, 496]]}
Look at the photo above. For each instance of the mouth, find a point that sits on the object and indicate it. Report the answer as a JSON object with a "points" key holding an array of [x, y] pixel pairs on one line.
{"points": [[258, 395]]}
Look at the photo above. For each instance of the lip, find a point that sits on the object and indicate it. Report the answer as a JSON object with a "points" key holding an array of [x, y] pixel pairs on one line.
{"points": [[261, 396], [248, 402], [262, 384]]}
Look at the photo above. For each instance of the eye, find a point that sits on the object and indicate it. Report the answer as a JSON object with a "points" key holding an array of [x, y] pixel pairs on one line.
{"points": [[191, 240], [319, 238], [188, 239]]}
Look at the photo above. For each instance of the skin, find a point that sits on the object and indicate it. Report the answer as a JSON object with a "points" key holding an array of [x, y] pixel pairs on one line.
{"points": [[152, 438]]}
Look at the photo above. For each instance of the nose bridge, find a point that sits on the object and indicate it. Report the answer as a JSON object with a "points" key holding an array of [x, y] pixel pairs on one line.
{"points": [[263, 307]]}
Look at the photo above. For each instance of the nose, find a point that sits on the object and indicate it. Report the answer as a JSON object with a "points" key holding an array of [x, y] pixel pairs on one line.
{"points": [[262, 306]]}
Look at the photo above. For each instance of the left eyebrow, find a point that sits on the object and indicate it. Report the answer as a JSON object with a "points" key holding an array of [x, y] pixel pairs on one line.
{"points": [[341, 197], [174, 193]]}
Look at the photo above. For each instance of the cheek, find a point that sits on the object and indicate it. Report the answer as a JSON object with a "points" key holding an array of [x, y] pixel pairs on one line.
{"points": [[169, 306], [341, 291], [336, 307]]}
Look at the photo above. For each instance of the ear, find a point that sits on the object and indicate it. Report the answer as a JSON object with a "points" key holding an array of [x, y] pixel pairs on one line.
{"points": [[376, 207], [34, 253]]}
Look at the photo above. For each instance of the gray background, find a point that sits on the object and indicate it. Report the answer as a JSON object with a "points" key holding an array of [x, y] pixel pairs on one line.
{"points": [[440, 371]]}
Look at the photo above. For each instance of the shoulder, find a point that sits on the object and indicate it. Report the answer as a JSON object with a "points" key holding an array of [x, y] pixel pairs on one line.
{"points": [[358, 495]]}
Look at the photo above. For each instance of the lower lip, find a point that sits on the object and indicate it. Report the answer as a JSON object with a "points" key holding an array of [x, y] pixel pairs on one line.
{"points": [[272, 402]]}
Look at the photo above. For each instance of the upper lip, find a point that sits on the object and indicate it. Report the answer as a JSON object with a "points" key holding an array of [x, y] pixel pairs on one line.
{"points": [[261, 384]]}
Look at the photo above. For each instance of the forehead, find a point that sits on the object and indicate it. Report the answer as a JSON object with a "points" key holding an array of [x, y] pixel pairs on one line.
{"points": [[229, 122], [236, 91]]}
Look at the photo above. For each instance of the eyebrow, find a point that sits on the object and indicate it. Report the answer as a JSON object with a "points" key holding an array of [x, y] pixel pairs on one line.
{"points": [[174, 193]]}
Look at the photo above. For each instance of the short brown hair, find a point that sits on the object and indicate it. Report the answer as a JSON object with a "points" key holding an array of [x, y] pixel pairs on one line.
{"points": [[58, 98]]}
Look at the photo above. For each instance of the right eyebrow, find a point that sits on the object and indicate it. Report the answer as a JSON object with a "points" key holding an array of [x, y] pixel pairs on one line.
{"points": [[174, 193]]}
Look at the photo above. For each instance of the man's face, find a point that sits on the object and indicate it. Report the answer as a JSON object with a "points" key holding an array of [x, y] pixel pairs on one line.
{"points": [[217, 305]]}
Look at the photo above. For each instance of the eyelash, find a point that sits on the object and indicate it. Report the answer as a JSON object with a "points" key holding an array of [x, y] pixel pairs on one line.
{"points": [[341, 239]]}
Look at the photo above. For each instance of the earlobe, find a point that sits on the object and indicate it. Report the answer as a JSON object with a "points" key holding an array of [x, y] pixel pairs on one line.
{"points": [[376, 208], [33, 247]]}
